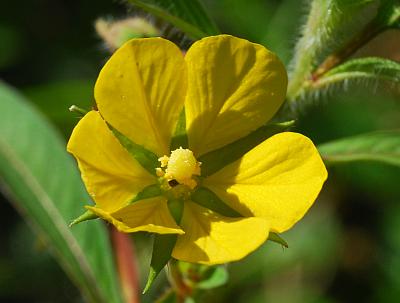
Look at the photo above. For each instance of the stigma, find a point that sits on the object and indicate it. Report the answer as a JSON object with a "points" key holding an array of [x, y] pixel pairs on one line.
{"points": [[180, 166]]}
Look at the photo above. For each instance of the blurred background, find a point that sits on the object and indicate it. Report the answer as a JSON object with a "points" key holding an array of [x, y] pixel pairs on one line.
{"points": [[347, 249]]}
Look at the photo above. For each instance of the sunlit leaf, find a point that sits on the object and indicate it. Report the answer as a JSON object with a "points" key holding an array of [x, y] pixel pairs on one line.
{"points": [[362, 72], [42, 181], [381, 146]]}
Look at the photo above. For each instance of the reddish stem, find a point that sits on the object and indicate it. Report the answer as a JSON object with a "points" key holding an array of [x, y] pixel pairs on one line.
{"points": [[126, 264]]}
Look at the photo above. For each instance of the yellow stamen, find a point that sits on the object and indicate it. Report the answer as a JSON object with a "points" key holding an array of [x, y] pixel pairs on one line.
{"points": [[180, 166]]}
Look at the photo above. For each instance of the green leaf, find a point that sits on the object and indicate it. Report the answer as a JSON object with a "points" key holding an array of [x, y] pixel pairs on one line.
{"points": [[389, 14], [217, 159], [330, 25], [42, 181], [147, 159], [381, 146], [213, 277], [208, 199], [361, 72], [188, 16], [274, 237]]}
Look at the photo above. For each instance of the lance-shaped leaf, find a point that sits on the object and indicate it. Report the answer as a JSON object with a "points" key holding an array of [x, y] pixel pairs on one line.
{"points": [[367, 72], [381, 146], [43, 183], [189, 16]]}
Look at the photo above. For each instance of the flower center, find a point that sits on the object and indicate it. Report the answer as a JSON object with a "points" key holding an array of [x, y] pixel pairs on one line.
{"points": [[179, 168]]}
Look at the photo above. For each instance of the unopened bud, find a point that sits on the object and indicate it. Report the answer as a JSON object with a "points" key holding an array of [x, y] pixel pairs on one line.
{"points": [[115, 33]]}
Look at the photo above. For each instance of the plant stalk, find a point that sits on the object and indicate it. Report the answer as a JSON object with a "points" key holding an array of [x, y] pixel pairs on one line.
{"points": [[126, 263]]}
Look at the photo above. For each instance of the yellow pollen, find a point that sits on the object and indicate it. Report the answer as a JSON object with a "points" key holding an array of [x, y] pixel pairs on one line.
{"points": [[164, 161], [180, 166]]}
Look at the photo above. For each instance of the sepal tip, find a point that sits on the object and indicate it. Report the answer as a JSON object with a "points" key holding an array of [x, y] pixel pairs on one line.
{"points": [[88, 215]]}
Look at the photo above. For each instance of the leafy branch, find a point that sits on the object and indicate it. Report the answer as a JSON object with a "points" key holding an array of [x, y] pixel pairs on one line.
{"points": [[327, 42]]}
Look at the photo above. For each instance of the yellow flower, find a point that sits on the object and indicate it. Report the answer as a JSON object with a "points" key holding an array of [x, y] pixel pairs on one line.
{"points": [[228, 87]]}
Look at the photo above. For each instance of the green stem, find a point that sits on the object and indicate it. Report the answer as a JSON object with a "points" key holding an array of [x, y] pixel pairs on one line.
{"points": [[369, 32]]}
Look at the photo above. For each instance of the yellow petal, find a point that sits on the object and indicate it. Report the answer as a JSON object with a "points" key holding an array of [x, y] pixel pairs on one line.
{"points": [[151, 215], [140, 91], [213, 239], [111, 175], [278, 180], [234, 87]]}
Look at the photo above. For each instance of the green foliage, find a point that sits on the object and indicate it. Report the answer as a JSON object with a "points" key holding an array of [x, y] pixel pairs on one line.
{"points": [[189, 16], [366, 72], [327, 31], [381, 146], [45, 187], [280, 33], [389, 14]]}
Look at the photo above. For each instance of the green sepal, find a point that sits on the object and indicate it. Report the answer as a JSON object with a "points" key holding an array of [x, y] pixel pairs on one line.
{"points": [[219, 158], [175, 207], [88, 215], [162, 250], [180, 139], [206, 198], [150, 191], [163, 245], [147, 159], [274, 237]]}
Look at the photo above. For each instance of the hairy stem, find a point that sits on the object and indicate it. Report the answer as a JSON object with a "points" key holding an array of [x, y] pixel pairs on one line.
{"points": [[369, 32]]}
